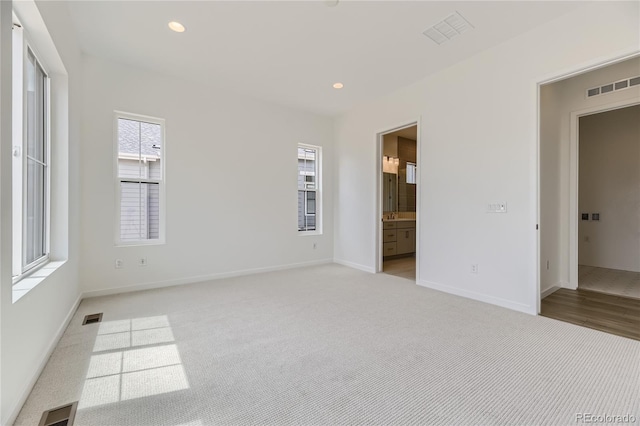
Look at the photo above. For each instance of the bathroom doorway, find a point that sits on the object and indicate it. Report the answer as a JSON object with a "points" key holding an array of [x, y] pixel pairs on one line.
{"points": [[399, 201]]}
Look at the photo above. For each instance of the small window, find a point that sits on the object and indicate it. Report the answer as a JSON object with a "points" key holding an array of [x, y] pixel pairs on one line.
{"points": [[140, 179], [411, 172], [308, 188]]}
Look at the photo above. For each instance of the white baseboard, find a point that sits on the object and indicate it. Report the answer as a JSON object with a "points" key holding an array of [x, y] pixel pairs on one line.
{"points": [[199, 278], [550, 290], [565, 284], [509, 304], [355, 265], [43, 362]]}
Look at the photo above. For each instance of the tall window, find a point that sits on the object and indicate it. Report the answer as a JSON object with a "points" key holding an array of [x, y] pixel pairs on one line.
{"points": [[140, 179], [308, 187], [411, 172], [30, 164]]}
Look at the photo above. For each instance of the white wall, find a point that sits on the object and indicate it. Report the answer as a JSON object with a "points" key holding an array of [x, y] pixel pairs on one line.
{"points": [[557, 102], [31, 325], [231, 181], [478, 134], [610, 185], [5, 178]]}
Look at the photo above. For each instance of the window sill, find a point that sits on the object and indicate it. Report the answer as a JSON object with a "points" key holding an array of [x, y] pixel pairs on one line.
{"points": [[309, 233], [33, 278], [156, 242]]}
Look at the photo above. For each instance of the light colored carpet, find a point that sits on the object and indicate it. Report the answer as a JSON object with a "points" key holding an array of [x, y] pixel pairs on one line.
{"points": [[329, 345], [610, 281]]}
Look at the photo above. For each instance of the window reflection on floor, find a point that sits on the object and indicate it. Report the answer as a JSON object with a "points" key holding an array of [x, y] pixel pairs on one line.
{"points": [[120, 369]]}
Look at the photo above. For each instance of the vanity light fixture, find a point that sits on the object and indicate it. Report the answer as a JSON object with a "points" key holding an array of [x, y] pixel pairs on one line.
{"points": [[338, 85], [392, 160], [177, 27]]}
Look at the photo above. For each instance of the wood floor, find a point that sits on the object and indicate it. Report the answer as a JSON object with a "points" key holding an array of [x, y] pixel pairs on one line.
{"points": [[404, 267], [611, 314]]}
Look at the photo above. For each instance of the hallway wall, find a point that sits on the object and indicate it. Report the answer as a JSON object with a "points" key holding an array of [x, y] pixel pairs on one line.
{"points": [[609, 185]]}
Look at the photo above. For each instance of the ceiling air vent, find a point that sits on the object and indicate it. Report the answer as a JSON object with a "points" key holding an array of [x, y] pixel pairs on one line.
{"points": [[91, 319], [613, 87], [448, 28], [59, 416]]}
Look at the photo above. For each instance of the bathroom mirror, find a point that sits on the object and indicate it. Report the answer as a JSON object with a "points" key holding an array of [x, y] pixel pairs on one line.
{"points": [[390, 192], [399, 167]]}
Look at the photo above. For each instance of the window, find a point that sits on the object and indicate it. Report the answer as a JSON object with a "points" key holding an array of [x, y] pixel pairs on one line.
{"points": [[308, 188], [411, 172], [140, 179], [30, 163]]}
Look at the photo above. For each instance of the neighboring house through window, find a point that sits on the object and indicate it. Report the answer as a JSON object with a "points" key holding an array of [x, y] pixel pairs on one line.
{"points": [[140, 179], [308, 188]]}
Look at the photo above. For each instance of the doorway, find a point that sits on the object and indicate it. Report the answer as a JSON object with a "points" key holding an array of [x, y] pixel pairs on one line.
{"points": [[589, 198], [609, 202], [398, 174]]}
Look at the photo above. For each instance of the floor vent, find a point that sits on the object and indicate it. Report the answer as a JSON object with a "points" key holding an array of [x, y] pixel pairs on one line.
{"points": [[59, 416], [613, 87], [93, 318]]}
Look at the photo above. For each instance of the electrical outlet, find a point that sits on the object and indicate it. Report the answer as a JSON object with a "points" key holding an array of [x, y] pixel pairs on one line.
{"points": [[315, 246], [474, 268], [547, 265], [119, 264], [142, 261]]}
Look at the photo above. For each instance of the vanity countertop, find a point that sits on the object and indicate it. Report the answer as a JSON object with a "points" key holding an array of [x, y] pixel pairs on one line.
{"points": [[398, 220]]}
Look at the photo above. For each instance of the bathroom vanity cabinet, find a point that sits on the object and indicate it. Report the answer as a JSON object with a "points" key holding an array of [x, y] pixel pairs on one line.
{"points": [[399, 237]]}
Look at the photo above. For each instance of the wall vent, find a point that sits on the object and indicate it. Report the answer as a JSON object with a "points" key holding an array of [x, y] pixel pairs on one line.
{"points": [[448, 28], [59, 416], [613, 87], [91, 319]]}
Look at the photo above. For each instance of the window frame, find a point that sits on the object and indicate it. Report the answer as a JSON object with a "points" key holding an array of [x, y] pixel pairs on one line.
{"points": [[318, 190], [22, 46], [118, 180]]}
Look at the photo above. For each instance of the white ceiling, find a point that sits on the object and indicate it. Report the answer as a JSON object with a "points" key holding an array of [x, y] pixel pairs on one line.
{"points": [[292, 52]]}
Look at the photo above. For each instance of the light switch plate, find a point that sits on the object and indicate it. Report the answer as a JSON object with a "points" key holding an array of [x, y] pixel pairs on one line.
{"points": [[497, 207]]}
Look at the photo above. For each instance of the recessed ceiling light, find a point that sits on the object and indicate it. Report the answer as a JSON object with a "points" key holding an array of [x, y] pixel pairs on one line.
{"points": [[176, 26], [338, 85]]}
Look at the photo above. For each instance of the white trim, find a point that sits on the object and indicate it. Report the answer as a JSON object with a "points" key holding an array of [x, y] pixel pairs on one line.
{"points": [[200, 278], [588, 66], [355, 265], [537, 212], [574, 173], [118, 180], [378, 231], [43, 361], [481, 297], [550, 291]]}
